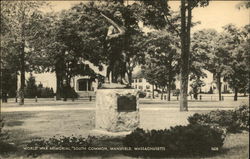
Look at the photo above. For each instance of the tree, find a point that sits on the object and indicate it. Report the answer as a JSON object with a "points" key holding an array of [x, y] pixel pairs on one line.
{"points": [[157, 14], [244, 4], [67, 41], [208, 49], [16, 17], [97, 26], [196, 84], [31, 88], [237, 46], [160, 66], [186, 20]]}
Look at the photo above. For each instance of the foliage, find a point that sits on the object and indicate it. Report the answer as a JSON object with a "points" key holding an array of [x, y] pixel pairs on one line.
{"points": [[208, 46], [161, 61], [242, 114], [225, 54], [232, 120], [63, 141], [31, 87], [8, 82], [243, 4], [178, 140], [71, 145], [142, 94], [45, 92], [33, 90], [1, 129], [158, 15], [4, 146], [237, 46], [176, 92], [17, 36], [196, 85]]}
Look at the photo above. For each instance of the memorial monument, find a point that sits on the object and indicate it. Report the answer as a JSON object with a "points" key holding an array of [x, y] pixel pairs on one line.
{"points": [[117, 104]]}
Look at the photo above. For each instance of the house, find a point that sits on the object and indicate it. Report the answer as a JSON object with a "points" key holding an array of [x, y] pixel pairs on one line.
{"points": [[84, 85], [140, 83]]}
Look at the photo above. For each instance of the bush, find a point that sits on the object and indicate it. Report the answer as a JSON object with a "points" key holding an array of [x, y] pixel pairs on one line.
{"points": [[4, 147], [69, 92], [242, 116], [45, 92], [64, 144], [179, 140], [176, 92], [232, 120], [1, 128], [62, 141], [142, 94]]}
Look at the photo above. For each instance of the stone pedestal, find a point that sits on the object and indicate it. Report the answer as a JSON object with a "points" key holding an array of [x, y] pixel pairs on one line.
{"points": [[117, 110]]}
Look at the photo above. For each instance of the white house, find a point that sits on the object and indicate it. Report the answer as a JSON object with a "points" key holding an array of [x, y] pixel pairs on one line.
{"points": [[141, 83]]}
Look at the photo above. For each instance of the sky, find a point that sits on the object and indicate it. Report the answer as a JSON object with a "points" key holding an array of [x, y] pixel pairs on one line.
{"points": [[216, 15]]}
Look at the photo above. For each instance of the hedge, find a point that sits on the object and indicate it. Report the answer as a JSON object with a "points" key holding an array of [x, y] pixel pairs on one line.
{"points": [[233, 121], [192, 139]]}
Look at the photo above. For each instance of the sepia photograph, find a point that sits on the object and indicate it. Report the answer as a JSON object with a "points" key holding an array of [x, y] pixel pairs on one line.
{"points": [[124, 79]]}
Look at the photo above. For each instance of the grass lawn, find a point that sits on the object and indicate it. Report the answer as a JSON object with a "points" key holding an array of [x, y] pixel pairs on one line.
{"points": [[22, 126]]}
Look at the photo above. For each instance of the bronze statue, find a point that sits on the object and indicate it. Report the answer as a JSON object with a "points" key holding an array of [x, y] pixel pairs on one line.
{"points": [[115, 44]]}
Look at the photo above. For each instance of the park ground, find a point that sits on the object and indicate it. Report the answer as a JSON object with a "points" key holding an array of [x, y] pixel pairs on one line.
{"points": [[47, 118]]}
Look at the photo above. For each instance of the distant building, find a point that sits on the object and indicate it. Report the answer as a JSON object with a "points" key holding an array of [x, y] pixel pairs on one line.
{"points": [[140, 83], [84, 85]]}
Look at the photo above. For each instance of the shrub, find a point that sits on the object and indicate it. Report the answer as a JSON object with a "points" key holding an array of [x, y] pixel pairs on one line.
{"points": [[45, 92], [176, 92], [62, 141], [178, 140], [232, 120], [1, 128], [142, 94], [69, 92], [4, 147], [242, 116]]}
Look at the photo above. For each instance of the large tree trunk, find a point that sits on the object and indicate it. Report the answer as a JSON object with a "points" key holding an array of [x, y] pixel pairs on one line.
{"points": [[22, 70], [185, 45], [235, 94], [60, 72], [169, 88], [218, 83], [16, 93], [58, 85], [169, 93], [153, 92], [162, 93]]}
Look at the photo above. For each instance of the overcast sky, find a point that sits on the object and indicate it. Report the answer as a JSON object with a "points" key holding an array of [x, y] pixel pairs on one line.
{"points": [[216, 15]]}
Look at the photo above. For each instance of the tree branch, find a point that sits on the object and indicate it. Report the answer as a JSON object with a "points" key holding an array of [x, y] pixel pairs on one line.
{"points": [[171, 25]]}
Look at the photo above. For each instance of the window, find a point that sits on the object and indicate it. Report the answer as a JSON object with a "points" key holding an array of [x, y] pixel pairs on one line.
{"points": [[147, 86], [140, 80], [140, 87], [84, 85]]}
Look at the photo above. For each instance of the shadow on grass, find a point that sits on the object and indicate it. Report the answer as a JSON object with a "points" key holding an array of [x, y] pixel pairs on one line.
{"points": [[14, 123], [11, 117]]}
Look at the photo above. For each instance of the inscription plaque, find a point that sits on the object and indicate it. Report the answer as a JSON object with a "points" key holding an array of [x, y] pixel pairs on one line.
{"points": [[126, 103]]}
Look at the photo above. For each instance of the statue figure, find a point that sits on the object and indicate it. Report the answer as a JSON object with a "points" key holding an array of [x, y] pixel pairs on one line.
{"points": [[115, 47]]}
